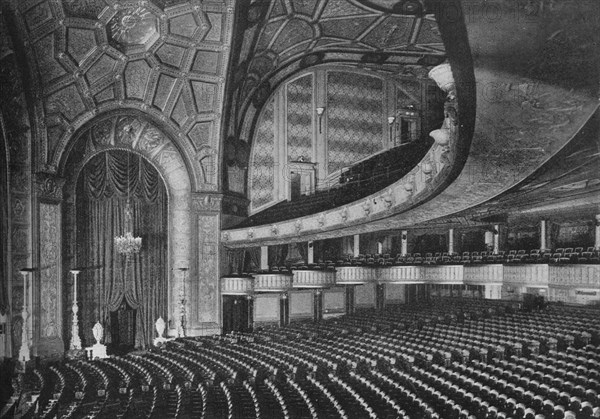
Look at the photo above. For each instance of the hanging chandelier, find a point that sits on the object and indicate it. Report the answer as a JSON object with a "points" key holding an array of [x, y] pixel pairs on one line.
{"points": [[128, 244]]}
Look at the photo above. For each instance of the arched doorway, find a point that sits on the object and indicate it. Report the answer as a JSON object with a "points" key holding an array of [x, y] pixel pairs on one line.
{"points": [[119, 191]]}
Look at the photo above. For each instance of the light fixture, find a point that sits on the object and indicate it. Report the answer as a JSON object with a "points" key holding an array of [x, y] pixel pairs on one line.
{"points": [[320, 111], [442, 75], [441, 136], [128, 244]]}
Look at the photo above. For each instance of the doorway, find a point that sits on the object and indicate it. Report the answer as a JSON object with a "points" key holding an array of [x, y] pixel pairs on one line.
{"points": [[237, 313]]}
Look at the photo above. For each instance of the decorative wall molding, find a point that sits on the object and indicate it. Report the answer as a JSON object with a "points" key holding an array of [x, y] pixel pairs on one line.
{"points": [[90, 58], [50, 280], [570, 277], [49, 186], [202, 202], [205, 283]]}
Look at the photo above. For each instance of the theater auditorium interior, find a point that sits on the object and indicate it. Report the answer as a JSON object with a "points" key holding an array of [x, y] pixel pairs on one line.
{"points": [[300, 209]]}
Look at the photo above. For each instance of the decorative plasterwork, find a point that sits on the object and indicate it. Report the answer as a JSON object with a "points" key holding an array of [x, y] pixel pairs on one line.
{"points": [[403, 194], [136, 134], [88, 58], [49, 186], [206, 202], [277, 39], [50, 280]]}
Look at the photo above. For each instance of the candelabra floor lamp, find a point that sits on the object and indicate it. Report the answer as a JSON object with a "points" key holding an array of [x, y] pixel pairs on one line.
{"points": [[25, 350]]}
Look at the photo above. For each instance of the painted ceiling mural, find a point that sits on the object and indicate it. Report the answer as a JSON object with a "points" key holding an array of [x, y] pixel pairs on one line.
{"points": [[166, 58]]}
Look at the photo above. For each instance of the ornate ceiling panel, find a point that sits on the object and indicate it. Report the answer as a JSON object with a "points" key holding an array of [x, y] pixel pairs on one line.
{"points": [[277, 38], [166, 58]]}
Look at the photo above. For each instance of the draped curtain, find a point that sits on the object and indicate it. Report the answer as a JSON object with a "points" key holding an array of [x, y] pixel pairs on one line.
{"points": [[235, 261], [108, 278], [252, 259], [303, 250], [277, 254]]}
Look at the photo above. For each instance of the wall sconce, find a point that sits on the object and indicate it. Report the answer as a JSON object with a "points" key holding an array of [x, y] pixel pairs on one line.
{"points": [[391, 120], [320, 111]]}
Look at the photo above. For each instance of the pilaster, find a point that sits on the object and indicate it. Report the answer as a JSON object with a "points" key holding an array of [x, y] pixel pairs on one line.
{"points": [[204, 271], [47, 310]]}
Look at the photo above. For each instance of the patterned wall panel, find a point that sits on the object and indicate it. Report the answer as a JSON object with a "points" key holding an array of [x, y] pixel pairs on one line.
{"points": [[261, 170], [50, 271], [354, 114], [208, 269], [300, 118]]}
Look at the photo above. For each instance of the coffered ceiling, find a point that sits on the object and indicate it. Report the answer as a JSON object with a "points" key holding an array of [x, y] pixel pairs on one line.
{"points": [[166, 58]]}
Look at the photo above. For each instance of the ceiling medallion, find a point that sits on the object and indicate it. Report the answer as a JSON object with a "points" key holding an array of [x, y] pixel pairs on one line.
{"points": [[133, 27]]}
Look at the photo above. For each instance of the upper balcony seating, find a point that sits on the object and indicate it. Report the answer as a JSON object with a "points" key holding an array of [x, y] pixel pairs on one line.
{"points": [[359, 181], [560, 256]]}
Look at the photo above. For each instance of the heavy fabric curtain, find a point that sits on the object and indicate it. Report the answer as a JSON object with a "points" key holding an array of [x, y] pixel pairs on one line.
{"points": [[235, 261], [252, 259], [277, 254], [108, 278]]}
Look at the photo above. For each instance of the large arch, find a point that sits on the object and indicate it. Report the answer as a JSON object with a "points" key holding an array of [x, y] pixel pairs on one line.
{"points": [[134, 132]]}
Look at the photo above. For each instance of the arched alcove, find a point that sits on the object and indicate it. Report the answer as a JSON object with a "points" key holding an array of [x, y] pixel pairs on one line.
{"points": [[119, 192], [138, 136]]}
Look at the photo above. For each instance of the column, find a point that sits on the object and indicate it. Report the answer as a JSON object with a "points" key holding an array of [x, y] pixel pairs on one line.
{"points": [[404, 243], [597, 236], [311, 252], [284, 310], [250, 325], [350, 299], [47, 281], [201, 283], [380, 296], [264, 258], [356, 247], [318, 305], [451, 241], [543, 234], [496, 238]]}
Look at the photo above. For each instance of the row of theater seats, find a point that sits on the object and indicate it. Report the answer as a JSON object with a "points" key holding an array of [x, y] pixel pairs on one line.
{"points": [[377, 171], [561, 256], [451, 359]]}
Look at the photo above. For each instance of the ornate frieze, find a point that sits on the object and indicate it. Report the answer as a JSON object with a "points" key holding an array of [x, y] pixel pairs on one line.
{"points": [[206, 202], [49, 186]]}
